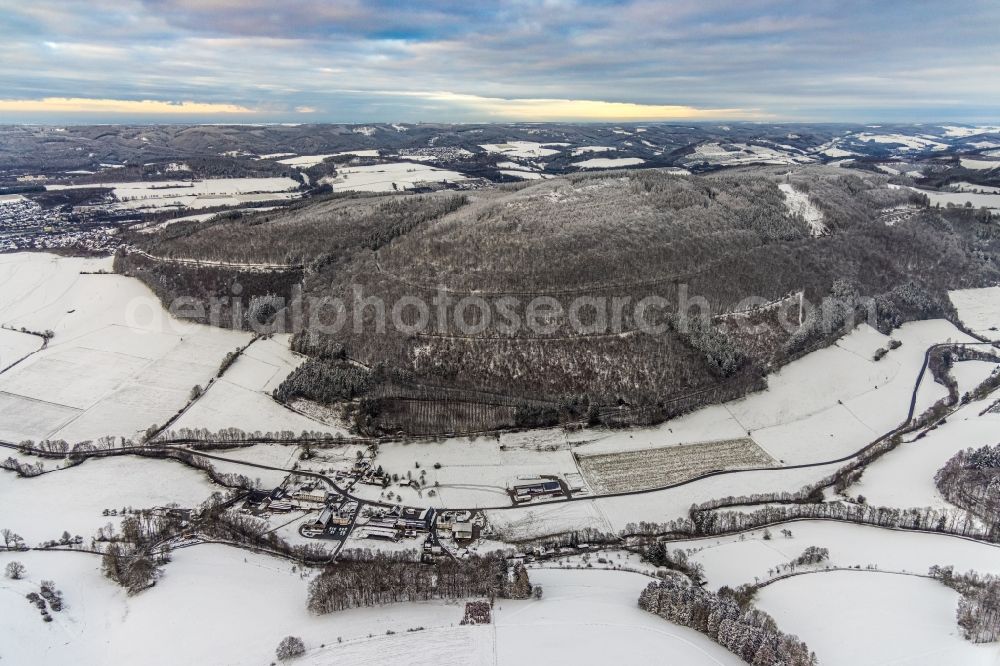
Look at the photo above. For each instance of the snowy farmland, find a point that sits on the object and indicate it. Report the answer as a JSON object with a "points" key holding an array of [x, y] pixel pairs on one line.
{"points": [[974, 199], [613, 514], [855, 618], [592, 149], [15, 345], [979, 309], [750, 557], [306, 161], [523, 148], [608, 162], [117, 364], [799, 420], [195, 193], [972, 187], [905, 477], [794, 421], [242, 397], [272, 455], [741, 153], [473, 472], [587, 617], [73, 500], [148, 228], [523, 175], [979, 165], [591, 617], [836, 152], [906, 141], [654, 468], [389, 177]]}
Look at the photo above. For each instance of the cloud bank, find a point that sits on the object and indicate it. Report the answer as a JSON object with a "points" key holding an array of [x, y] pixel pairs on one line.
{"points": [[117, 106], [616, 60], [579, 110]]}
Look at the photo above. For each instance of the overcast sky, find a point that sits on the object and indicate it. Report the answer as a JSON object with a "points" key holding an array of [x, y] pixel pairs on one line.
{"points": [[439, 60]]}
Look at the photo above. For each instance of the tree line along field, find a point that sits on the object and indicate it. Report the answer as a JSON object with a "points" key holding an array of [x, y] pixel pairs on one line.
{"points": [[625, 235]]}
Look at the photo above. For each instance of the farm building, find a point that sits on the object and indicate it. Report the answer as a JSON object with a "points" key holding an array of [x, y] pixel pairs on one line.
{"points": [[462, 531], [311, 498], [410, 518], [526, 492], [446, 519], [381, 533], [281, 506]]}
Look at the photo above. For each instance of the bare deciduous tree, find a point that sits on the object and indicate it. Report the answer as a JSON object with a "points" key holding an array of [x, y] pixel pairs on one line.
{"points": [[290, 647]]}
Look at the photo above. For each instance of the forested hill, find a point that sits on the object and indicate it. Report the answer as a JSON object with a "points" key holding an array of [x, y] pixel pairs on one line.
{"points": [[764, 232]]}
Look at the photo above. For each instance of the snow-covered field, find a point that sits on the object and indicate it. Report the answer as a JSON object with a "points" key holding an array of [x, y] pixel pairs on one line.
{"points": [[857, 393], [196, 193], [206, 200], [540, 520], [977, 200], [388, 177], [970, 374], [869, 619], [836, 152], [273, 455], [613, 514], [198, 217], [905, 477], [523, 175], [470, 472], [15, 345], [962, 131], [908, 142], [735, 560], [972, 187], [798, 419], [522, 148], [979, 309], [242, 397], [795, 420], [742, 153], [608, 162], [665, 505], [215, 604], [474, 646], [592, 149], [981, 165], [304, 161], [118, 362], [42, 507], [221, 605], [654, 468], [592, 617]]}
